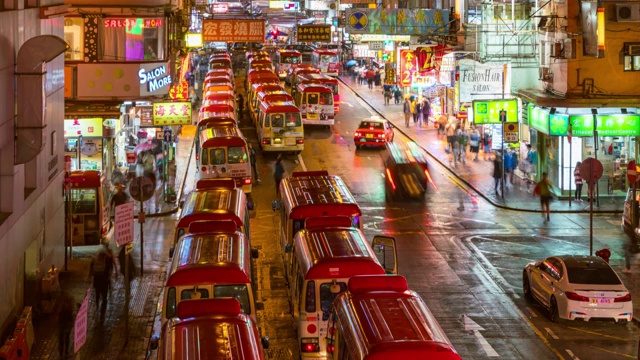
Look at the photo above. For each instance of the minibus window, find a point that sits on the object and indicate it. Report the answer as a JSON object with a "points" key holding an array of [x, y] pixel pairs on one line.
{"points": [[237, 155], [356, 222], [217, 156], [312, 98], [326, 297], [277, 120], [204, 159], [293, 119], [189, 294], [84, 201], [171, 303], [240, 292], [310, 296], [326, 99]]}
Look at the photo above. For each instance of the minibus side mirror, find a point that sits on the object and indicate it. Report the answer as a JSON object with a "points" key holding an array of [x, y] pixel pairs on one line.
{"points": [[154, 342], [265, 342], [384, 247], [254, 253], [287, 248]]}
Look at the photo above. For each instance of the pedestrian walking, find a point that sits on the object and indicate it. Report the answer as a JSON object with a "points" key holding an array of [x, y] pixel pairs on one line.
{"points": [[120, 197], [386, 92], [407, 111], [543, 188], [415, 110], [450, 131], [497, 172], [278, 173], [397, 94], [578, 180], [426, 111], [486, 142], [100, 269], [510, 163], [474, 142], [463, 139], [370, 78], [65, 305], [254, 166], [442, 124]]}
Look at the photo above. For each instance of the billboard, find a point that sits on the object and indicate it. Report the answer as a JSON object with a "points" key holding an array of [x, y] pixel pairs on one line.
{"points": [[483, 81], [233, 30], [314, 33], [397, 21]]}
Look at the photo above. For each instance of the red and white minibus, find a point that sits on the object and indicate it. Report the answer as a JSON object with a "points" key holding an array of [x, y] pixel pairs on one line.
{"points": [[323, 257], [220, 71], [224, 153], [307, 194], [285, 60], [328, 81], [270, 95], [293, 78], [210, 329], [316, 104], [218, 99], [379, 318], [212, 260], [280, 127], [326, 61], [213, 200]]}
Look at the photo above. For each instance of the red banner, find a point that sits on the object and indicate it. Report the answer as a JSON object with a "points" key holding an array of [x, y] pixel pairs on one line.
{"points": [[407, 67], [430, 57], [233, 30]]}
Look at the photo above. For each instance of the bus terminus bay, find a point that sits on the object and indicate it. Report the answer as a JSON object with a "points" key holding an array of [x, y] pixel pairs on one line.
{"points": [[380, 318], [324, 256], [224, 153], [326, 61]]}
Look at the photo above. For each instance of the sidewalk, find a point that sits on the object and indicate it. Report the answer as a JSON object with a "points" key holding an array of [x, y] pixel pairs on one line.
{"points": [[476, 174], [107, 340]]}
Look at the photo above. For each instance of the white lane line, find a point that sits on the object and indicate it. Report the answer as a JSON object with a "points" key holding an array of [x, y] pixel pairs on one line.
{"points": [[533, 313], [344, 102], [571, 354], [304, 167], [550, 333]]}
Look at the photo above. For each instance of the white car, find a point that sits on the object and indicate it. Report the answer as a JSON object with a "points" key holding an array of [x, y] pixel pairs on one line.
{"points": [[577, 287]]}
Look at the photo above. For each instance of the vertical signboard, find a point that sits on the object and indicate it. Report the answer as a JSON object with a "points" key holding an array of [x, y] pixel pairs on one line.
{"points": [[80, 325], [407, 67], [123, 227]]}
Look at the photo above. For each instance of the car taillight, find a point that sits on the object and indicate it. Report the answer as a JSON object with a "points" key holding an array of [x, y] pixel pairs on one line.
{"points": [[393, 185], [331, 349], [299, 140], [246, 181], [308, 345], [575, 297], [265, 141], [625, 298], [204, 168]]}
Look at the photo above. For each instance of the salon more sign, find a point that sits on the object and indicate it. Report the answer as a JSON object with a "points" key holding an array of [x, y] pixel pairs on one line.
{"points": [[483, 81]]}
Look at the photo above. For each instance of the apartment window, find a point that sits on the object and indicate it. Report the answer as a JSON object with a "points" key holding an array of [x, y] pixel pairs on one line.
{"points": [[131, 39], [74, 37], [631, 53]]}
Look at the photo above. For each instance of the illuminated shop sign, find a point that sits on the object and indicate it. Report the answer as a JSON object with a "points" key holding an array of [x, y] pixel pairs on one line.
{"points": [[155, 79], [492, 111], [607, 125], [130, 23], [172, 113]]}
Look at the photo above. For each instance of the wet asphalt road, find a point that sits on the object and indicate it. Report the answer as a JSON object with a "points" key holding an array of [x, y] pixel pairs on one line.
{"points": [[462, 255]]}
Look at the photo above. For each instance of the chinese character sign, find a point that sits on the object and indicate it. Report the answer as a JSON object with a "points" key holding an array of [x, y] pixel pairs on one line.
{"points": [[233, 30], [397, 21], [179, 91], [407, 67], [172, 113], [123, 224], [314, 33]]}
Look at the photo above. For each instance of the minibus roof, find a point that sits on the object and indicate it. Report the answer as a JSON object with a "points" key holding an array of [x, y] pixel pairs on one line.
{"points": [[213, 204], [211, 258], [383, 318], [278, 106], [223, 334], [314, 87], [336, 252], [318, 195], [221, 136], [286, 52]]}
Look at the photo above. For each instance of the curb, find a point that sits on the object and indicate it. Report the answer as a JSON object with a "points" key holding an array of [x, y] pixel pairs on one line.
{"points": [[467, 183]]}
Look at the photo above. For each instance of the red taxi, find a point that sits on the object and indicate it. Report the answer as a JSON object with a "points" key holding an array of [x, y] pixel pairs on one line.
{"points": [[373, 131]]}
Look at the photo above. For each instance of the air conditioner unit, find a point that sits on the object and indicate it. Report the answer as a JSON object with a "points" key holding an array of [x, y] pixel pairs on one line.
{"points": [[627, 12], [557, 50], [545, 74], [570, 48]]}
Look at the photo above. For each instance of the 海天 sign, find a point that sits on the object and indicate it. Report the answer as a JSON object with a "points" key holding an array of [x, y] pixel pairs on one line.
{"points": [[171, 113], [488, 111]]}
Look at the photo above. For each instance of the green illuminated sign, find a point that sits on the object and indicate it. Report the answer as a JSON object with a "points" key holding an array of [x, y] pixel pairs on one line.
{"points": [[558, 124], [608, 125], [539, 119], [488, 111]]}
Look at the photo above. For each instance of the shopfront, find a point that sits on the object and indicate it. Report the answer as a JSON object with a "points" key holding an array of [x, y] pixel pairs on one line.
{"points": [[605, 133], [88, 141]]}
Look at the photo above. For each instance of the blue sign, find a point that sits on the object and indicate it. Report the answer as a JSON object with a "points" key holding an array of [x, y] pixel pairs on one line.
{"points": [[167, 136]]}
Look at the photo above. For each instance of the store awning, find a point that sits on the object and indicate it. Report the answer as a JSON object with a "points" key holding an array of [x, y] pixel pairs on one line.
{"points": [[549, 100], [85, 108]]}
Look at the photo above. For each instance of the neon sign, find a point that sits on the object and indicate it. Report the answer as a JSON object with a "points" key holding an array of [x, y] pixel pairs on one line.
{"points": [[155, 79], [129, 23]]}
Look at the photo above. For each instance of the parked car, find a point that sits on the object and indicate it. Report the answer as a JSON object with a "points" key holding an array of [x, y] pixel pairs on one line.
{"points": [[577, 287], [373, 131]]}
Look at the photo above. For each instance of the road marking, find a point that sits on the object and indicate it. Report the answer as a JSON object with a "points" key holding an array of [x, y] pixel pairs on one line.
{"points": [[304, 167], [470, 325], [571, 354], [550, 333], [598, 334], [344, 102], [533, 313], [614, 352]]}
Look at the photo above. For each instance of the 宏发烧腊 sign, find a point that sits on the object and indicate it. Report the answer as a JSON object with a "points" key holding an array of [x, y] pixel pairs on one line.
{"points": [[233, 30]]}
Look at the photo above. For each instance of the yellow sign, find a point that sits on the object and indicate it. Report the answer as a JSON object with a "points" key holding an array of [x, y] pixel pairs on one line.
{"points": [[193, 40], [378, 37], [172, 113], [91, 127]]}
